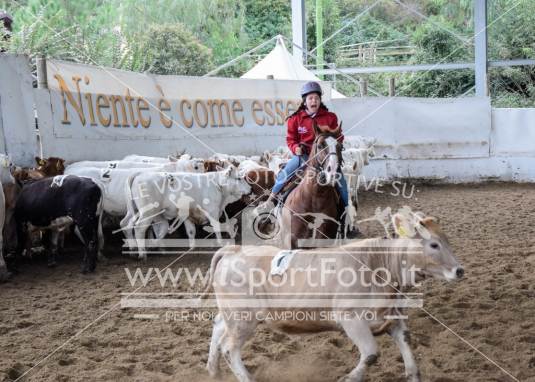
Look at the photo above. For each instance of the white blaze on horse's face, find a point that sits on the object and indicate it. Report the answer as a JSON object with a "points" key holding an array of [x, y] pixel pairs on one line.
{"points": [[330, 164]]}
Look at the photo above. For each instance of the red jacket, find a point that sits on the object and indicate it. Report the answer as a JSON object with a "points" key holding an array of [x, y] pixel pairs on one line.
{"points": [[301, 128]]}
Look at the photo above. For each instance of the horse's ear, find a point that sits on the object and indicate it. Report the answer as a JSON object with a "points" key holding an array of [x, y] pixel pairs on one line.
{"points": [[336, 132], [316, 128]]}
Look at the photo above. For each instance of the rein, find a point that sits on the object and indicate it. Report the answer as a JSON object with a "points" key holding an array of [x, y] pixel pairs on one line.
{"points": [[319, 166]]}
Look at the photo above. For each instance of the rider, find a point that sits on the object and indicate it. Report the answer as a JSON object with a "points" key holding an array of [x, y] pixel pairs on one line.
{"points": [[300, 137]]}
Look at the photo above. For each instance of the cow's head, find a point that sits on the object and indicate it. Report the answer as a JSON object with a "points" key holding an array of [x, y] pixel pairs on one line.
{"points": [[237, 186], [436, 258], [260, 181], [50, 167], [212, 165]]}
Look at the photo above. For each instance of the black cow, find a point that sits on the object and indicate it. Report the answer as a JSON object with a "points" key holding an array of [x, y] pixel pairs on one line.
{"points": [[46, 202]]}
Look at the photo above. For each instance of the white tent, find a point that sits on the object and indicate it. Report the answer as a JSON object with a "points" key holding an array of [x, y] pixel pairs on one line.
{"points": [[280, 64]]}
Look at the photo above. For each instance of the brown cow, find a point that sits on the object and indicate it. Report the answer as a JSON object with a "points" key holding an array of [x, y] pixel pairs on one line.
{"points": [[50, 167], [45, 167], [340, 278]]}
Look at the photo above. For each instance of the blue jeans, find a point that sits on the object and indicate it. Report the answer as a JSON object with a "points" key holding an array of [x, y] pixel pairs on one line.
{"points": [[294, 164]]}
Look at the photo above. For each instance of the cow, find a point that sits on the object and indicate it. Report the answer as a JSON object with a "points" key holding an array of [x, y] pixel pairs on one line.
{"points": [[51, 166], [185, 198], [334, 287], [235, 160], [148, 159], [274, 161], [213, 165], [54, 201], [354, 161], [187, 165], [10, 191], [45, 167], [4, 274]]}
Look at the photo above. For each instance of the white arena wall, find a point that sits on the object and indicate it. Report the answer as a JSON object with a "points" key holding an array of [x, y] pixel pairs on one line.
{"points": [[444, 140]]}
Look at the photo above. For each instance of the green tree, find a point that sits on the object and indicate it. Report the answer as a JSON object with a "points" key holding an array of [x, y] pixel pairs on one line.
{"points": [[265, 19], [171, 49]]}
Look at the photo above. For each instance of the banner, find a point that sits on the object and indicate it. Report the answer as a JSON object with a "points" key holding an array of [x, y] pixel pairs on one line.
{"points": [[100, 103]]}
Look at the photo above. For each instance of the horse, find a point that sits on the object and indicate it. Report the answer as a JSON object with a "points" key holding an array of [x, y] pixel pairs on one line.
{"points": [[316, 192]]}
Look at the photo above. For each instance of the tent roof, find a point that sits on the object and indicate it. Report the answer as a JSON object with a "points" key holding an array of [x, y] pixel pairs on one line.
{"points": [[280, 64]]}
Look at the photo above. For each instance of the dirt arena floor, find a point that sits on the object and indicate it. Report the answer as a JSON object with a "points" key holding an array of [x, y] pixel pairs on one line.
{"points": [[491, 228]]}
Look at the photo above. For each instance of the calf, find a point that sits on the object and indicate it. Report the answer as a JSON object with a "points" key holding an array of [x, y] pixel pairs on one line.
{"points": [[51, 166], [46, 202], [321, 297], [185, 198]]}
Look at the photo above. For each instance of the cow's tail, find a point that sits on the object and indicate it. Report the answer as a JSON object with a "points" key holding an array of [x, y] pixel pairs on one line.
{"points": [[100, 214], [213, 265]]}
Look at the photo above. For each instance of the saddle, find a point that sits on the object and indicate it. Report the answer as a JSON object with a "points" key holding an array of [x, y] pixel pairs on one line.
{"points": [[292, 184]]}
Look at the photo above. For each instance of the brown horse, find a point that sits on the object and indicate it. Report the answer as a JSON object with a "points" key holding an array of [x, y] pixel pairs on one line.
{"points": [[316, 196]]}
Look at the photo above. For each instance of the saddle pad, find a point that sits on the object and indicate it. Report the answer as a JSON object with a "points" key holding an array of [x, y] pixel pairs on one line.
{"points": [[281, 262]]}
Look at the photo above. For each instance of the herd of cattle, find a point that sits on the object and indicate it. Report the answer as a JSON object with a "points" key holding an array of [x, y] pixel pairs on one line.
{"points": [[46, 202]]}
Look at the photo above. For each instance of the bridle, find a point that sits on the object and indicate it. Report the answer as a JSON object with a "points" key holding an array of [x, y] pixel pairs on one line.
{"points": [[319, 165]]}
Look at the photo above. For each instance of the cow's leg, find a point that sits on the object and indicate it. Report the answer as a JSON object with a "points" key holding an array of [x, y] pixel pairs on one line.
{"points": [[53, 238], [160, 227], [235, 335], [361, 335], [22, 241], [215, 351], [140, 230], [100, 236], [190, 231], [127, 224], [400, 334], [89, 233], [4, 274]]}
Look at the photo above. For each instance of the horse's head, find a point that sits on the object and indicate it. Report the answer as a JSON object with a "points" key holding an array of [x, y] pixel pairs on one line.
{"points": [[326, 154]]}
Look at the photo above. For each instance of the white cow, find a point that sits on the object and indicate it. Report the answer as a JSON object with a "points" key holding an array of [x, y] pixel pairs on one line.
{"points": [[189, 199], [358, 142], [354, 162], [249, 165], [186, 165], [234, 159], [275, 161], [4, 274], [6, 180], [5, 170], [148, 159]]}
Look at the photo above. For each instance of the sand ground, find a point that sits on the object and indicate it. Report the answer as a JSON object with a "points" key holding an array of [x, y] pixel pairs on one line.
{"points": [[491, 228]]}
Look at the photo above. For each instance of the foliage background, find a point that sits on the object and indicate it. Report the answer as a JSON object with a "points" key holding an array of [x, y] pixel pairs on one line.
{"points": [[192, 37]]}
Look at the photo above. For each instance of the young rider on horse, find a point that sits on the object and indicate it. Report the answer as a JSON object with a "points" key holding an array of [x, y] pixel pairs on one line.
{"points": [[301, 135]]}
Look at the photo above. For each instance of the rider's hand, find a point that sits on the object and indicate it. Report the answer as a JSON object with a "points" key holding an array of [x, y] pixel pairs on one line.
{"points": [[299, 151]]}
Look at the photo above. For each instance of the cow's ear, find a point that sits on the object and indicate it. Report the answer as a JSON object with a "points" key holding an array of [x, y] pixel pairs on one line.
{"points": [[267, 156], [171, 158], [428, 220], [402, 225], [40, 161]]}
